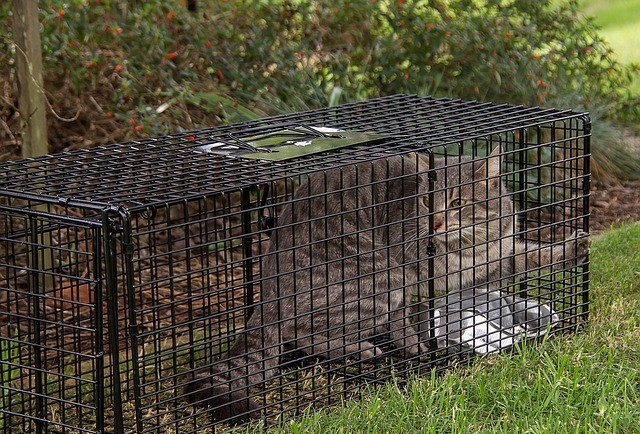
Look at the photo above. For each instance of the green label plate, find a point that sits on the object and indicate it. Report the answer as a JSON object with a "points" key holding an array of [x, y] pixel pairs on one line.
{"points": [[291, 142]]}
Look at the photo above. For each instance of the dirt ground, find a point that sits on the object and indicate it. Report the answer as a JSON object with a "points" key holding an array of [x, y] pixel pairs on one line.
{"points": [[613, 204]]}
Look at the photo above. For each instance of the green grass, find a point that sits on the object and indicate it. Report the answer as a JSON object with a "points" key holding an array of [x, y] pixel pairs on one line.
{"points": [[620, 22], [587, 382]]}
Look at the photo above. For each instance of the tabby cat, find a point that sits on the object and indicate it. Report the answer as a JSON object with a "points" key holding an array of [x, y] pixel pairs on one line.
{"points": [[350, 251]]}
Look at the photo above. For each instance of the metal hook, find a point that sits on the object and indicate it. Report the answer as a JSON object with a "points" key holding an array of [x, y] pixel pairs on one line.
{"points": [[312, 130], [244, 145]]}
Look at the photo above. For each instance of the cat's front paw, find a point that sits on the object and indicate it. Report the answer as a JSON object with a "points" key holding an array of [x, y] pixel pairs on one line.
{"points": [[226, 404], [582, 245], [577, 248], [415, 351], [410, 347]]}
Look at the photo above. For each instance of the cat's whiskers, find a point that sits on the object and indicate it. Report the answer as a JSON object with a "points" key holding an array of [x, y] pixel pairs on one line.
{"points": [[411, 241], [421, 234], [468, 236]]}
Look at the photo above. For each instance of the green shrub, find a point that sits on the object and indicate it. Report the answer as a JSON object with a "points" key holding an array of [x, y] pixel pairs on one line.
{"points": [[117, 70]]}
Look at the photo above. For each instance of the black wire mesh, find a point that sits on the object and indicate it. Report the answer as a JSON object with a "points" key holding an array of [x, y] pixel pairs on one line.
{"points": [[140, 277]]}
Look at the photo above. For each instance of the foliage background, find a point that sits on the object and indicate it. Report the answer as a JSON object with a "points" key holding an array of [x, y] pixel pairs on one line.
{"points": [[119, 70]]}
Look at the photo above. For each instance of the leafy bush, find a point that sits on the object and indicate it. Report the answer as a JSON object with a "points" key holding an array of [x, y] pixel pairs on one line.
{"points": [[117, 70]]}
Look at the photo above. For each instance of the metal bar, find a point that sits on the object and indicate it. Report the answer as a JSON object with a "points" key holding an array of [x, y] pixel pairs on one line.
{"points": [[247, 250], [522, 228], [98, 321], [36, 291], [586, 188], [111, 270], [133, 327], [431, 255]]}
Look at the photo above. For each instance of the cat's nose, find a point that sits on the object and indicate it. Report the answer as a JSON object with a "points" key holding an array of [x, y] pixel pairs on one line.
{"points": [[437, 225]]}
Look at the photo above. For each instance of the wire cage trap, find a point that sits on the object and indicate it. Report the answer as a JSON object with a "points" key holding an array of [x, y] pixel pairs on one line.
{"points": [[246, 273]]}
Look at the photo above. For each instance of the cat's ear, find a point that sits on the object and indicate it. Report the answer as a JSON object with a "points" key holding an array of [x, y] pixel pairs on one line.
{"points": [[490, 168]]}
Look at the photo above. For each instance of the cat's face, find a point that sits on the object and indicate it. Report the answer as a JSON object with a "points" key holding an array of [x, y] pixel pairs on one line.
{"points": [[469, 201]]}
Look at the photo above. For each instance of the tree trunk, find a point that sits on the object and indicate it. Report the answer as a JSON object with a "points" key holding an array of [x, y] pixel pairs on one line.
{"points": [[32, 103], [32, 106]]}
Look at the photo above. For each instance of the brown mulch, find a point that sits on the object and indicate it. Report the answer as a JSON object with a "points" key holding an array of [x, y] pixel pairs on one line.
{"points": [[614, 204]]}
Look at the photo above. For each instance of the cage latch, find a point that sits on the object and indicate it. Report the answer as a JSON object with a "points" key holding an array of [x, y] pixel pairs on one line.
{"points": [[431, 249], [128, 248], [267, 222]]}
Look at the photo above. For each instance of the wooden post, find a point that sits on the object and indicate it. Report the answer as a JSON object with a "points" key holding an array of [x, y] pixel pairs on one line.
{"points": [[32, 106], [32, 103]]}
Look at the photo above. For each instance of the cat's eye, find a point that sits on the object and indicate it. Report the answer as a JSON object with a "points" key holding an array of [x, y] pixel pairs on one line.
{"points": [[458, 202], [425, 201]]}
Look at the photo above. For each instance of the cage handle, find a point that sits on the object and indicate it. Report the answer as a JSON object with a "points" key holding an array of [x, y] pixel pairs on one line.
{"points": [[245, 145], [296, 130], [311, 130]]}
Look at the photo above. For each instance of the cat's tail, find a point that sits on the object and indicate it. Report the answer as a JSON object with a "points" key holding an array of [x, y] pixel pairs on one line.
{"points": [[224, 387]]}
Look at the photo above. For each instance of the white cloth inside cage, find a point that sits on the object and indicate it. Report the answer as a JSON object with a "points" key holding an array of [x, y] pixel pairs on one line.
{"points": [[485, 321]]}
